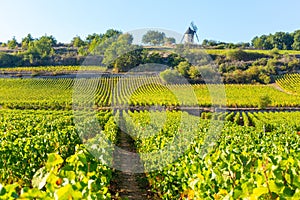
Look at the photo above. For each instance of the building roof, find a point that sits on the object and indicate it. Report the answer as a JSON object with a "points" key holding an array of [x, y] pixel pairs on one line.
{"points": [[189, 31]]}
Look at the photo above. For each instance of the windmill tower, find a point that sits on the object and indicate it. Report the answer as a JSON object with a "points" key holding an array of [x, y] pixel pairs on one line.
{"points": [[189, 35]]}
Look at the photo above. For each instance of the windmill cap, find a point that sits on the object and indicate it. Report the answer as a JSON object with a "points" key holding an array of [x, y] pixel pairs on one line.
{"points": [[189, 31]]}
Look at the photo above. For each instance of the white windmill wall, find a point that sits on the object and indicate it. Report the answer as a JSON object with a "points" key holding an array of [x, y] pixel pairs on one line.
{"points": [[189, 38]]}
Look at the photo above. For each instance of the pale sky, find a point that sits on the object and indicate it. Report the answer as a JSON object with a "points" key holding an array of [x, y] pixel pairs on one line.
{"points": [[229, 21]]}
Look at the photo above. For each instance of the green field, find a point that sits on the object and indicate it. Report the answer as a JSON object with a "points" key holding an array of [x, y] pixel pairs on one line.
{"points": [[52, 70], [58, 94], [54, 137]]}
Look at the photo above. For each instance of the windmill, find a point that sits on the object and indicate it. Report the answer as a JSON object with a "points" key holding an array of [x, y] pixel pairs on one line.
{"points": [[190, 34]]}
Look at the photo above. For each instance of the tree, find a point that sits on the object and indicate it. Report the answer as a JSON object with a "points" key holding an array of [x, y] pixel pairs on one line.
{"points": [[282, 41], [154, 38], [257, 43], [296, 44], [170, 40], [45, 45], [267, 41], [125, 39], [194, 72], [26, 41], [12, 44], [41, 48], [205, 42], [172, 77], [9, 60], [263, 42], [94, 37], [98, 43], [264, 101], [183, 68], [77, 42], [112, 33], [113, 48], [128, 60]]}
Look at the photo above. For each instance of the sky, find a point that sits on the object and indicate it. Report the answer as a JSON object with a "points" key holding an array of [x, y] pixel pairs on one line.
{"points": [[228, 21]]}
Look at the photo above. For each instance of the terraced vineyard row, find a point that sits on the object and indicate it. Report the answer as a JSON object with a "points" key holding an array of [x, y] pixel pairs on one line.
{"points": [[244, 162], [184, 157], [53, 69], [261, 120], [290, 83], [42, 157], [59, 94]]}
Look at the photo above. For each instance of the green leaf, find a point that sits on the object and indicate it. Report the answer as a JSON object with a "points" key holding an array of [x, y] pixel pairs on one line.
{"points": [[64, 192], [54, 160], [274, 187], [33, 193], [257, 192], [2, 190], [296, 181], [296, 195], [287, 192], [40, 178], [105, 190]]}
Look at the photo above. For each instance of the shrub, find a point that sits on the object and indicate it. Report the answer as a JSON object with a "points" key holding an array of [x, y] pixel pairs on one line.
{"points": [[243, 55], [172, 77], [264, 101]]}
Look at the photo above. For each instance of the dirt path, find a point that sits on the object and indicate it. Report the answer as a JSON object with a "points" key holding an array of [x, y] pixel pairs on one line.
{"points": [[277, 87], [125, 183]]}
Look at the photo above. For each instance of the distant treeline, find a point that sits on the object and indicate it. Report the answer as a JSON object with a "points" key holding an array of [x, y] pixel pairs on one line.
{"points": [[279, 40]]}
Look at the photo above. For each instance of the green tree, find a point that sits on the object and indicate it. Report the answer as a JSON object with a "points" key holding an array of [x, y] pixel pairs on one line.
{"points": [[262, 42], [45, 45], [183, 68], [296, 44], [205, 42], [128, 60], [267, 42], [154, 38], [12, 44], [77, 42], [257, 43], [39, 49], [282, 41], [264, 101], [26, 41], [93, 37], [112, 33], [114, 48], [9, 60], [170, 40], [98, 43], [194, 73], [171, 77]]}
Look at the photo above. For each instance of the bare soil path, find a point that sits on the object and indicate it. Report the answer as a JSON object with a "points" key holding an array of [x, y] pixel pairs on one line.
{"points": [[126, 184], [277, 87]]}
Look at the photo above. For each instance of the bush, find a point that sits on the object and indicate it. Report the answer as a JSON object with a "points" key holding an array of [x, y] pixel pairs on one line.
{"points": [[264, 101], [8, 60], [241, 55], [172, 77]]}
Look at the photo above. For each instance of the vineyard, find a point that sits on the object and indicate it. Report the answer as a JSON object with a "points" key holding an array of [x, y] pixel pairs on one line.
{"points": [[245, 161], [60, 94], [51, 69], [60, 138], [42, 157], [290, 83]]}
